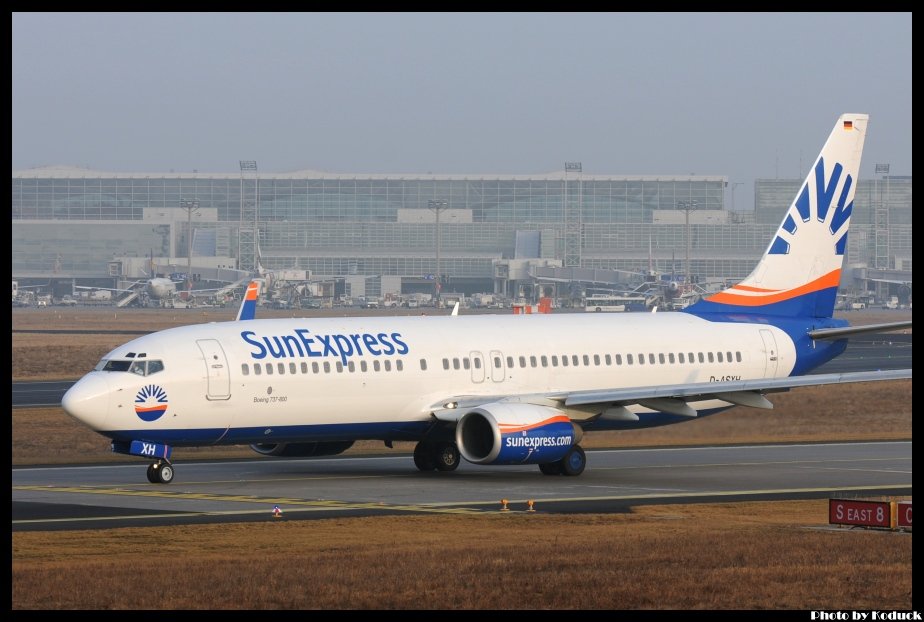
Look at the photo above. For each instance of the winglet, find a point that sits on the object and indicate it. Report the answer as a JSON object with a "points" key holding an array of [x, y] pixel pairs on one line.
{"points": [[248, 308]]}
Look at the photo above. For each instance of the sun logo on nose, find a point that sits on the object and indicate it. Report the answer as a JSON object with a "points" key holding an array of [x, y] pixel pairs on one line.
{"points": [[151, 403]]}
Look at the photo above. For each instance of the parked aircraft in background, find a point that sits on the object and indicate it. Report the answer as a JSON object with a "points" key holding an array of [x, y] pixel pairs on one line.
{"points": [[493, 389]]}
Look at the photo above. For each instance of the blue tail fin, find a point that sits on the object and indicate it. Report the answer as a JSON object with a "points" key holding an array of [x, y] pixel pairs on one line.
{"points": [[800, 271]]}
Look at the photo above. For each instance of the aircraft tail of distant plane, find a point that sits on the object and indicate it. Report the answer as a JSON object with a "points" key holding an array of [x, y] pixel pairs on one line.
{"points": [[799, 273], [248, 308]]}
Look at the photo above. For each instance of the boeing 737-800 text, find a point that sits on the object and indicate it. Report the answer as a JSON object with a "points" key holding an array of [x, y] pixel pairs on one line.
{"points": [[492, 389]]}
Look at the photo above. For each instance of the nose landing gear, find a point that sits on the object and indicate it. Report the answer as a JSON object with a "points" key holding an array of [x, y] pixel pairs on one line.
{"points": [[160, 472]]}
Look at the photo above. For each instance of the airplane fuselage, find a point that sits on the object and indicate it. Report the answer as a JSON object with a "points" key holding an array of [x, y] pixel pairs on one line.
{"points": [[288, 380]]}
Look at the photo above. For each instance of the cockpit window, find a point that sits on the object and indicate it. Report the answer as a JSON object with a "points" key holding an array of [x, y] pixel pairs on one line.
{"points": [[117, 365], [141, 368]]}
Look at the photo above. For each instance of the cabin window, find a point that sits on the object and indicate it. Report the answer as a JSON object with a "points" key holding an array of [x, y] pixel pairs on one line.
{"points": [[351, 366], [445, 363], [257, 370], [554, 360], [693, 358], [399, 365], [738, 356], [291, 368], [670, 357], [618, 358], [315, 367], [661, 357], [455, 363], [282, 368], [376, 365], [608, 359], [544, 360], [564, 360], [509, 362], [596, 359], [702, 359], [364, 366], [476, 362], [498, 362], [387, 365], [587, 360], [245, 369], [728, 354], [711, 357], [651, 358], [466, 363], [423, 365], [304, 367], [532, 361], [339, 366], [269, 369], [522, 361], [720, 357], [641, 359], [680, 357], [326, 367], [574, 360], [628, 359]]}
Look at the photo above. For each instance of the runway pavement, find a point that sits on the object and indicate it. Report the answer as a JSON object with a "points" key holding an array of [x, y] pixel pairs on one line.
{"points": [[87, 497]]}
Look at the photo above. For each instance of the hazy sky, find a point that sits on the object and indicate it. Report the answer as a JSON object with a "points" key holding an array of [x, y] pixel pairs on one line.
{"points": [[742, 95]]}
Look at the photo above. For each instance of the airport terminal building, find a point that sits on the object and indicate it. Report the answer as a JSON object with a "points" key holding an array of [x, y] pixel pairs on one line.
{"points": [[389, 230]]}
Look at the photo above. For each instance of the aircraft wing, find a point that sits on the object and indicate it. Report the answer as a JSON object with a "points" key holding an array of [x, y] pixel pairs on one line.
{"points": [[840, 333], [671, 399], [110, 289]]}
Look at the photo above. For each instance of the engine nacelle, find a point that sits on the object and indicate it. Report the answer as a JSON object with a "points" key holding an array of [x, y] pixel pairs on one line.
{"points": [[302, 450], [502, 433]]}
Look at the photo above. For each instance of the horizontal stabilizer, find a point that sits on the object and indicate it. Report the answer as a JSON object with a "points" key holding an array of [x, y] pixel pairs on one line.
{"points": [[847, 331]]}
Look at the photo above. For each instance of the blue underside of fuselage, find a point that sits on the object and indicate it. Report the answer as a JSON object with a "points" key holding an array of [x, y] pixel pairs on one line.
{"points": [[385, 431]]}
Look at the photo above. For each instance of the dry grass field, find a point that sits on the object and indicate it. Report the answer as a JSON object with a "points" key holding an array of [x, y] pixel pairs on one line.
{"points": [[728, 556], [776, 556]]}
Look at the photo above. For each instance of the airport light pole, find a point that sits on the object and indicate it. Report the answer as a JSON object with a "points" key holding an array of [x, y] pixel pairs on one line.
{"points": [[436, 207], [686, 206], [734, 185], [191, 207]]}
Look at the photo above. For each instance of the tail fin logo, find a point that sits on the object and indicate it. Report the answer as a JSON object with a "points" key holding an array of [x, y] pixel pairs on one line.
{"points": [[151, 403], [801, 209]]}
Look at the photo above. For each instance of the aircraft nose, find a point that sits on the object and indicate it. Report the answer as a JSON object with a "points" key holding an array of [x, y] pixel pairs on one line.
{"points": [[88, 400]]}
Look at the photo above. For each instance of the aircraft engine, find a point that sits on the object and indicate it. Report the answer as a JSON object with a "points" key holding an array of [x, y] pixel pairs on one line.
{"points": [[514, 433], [302, 450]]}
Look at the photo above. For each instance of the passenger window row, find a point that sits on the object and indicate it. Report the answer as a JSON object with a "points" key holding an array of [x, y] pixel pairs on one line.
{"points": [[596, 360], [292, 368]]}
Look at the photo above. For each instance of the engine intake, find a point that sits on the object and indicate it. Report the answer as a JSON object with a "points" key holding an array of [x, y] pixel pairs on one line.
{"points": [[502, 433]]}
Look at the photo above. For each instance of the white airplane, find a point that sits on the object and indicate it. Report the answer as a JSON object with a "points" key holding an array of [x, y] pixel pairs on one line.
{"points": [[156, 287], [512, 389]]}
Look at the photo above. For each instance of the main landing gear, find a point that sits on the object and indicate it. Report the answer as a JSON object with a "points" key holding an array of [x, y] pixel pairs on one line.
{"points": [[436, 455], [160, 472], [572, 464]]}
